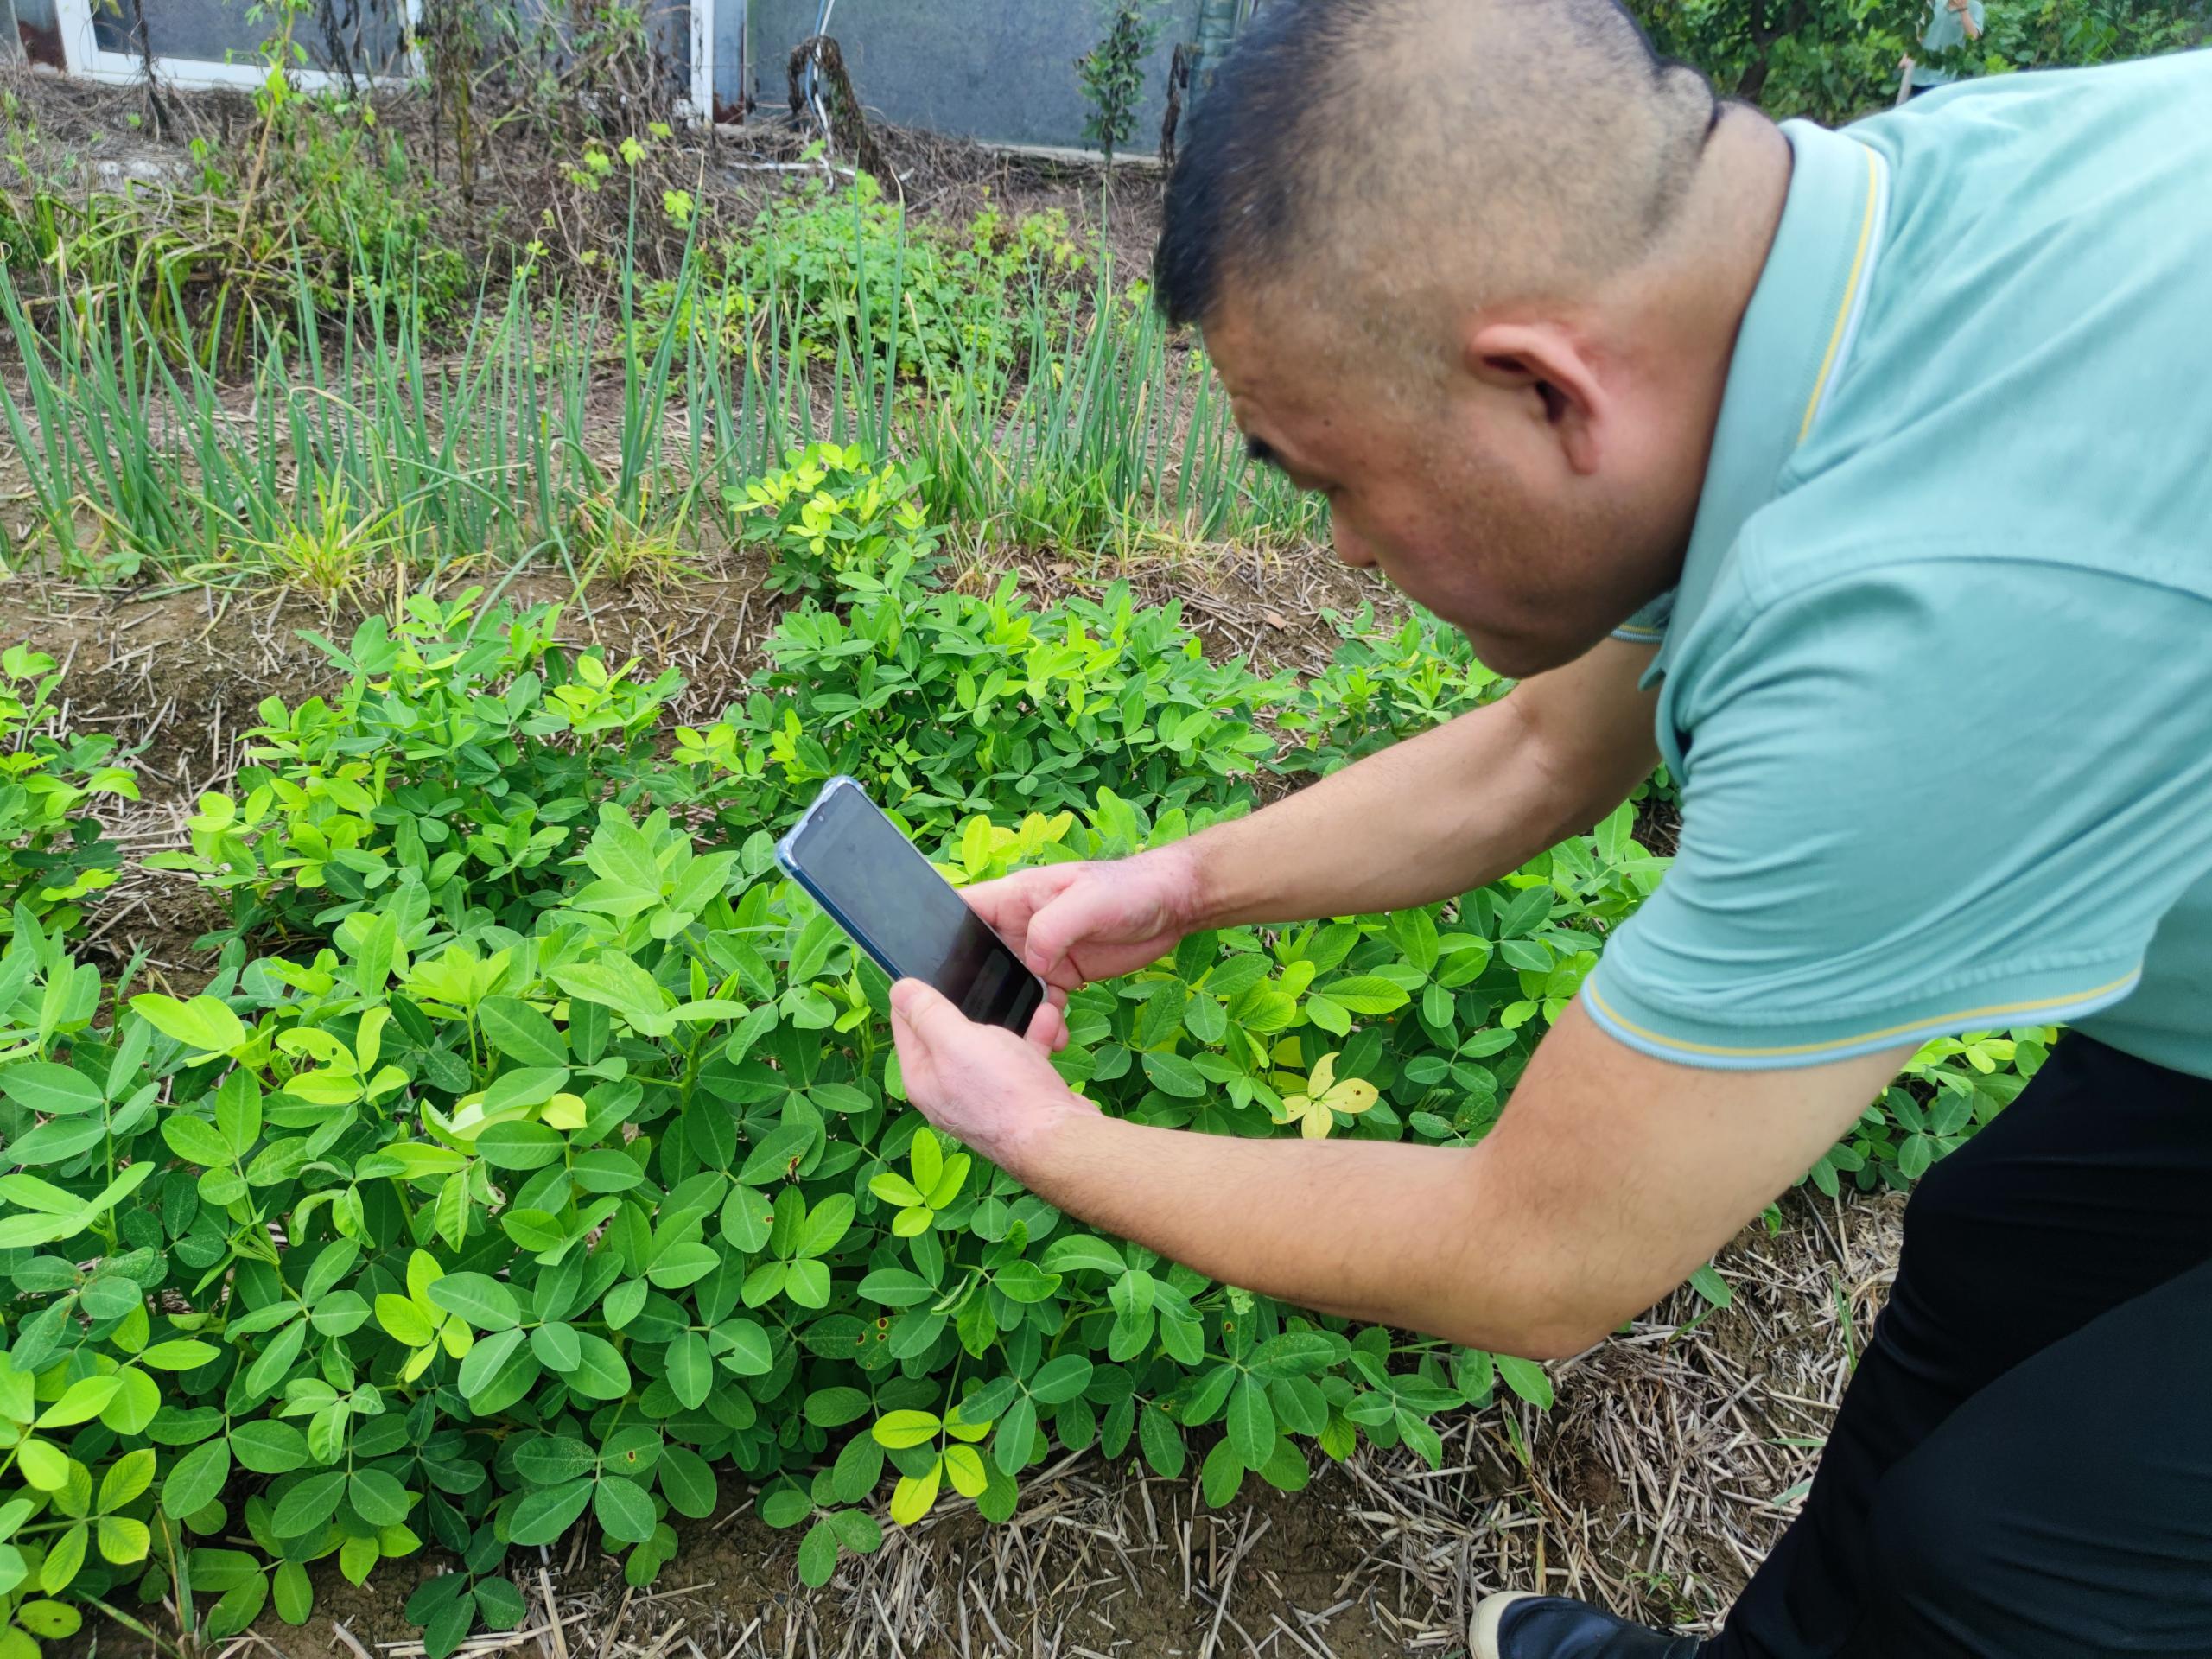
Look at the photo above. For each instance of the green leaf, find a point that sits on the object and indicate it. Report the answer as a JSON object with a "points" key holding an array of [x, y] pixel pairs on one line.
{"points": [[1294, 1353], [238, 1607], [295, 1593], [478, 1298], [1173, 1075], [1251, 1422], [182, 1355], [64, 1558], [687, 1482], [521, 1032], [195, 1141], [857, 1531], [807, 1283], [51, 1089], [1060, 1379], [541, 1517], [128, 1476], [690, 1372], [484, 1361], [378, 1497], [527, 1086], [683, 1264], [308, 1504], [818, 1555], [402, 1321], [122, 1540], [137, 1397], [204, 1023], [1220, 1475], [553, 1460], [269, 1447], [1526, 1378], [501, 1605], [599, 1373], [518, 1145], [836, 1407], [826, 1225], [1161, 1440], [1016, 1430], [1367, 993], [80, 1402], [45, 1465], [900, 1430], [1708, 1283], [557, 1345], [784, 1506], [196, 1479], [624, 1510], [55, 1620], [744, 1348]]}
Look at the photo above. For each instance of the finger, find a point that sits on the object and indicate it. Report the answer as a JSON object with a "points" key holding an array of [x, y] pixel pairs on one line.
{"points": [[1004, 900], [1048, 1028], [1055, 997], [1067, 920], [923, 1012]]}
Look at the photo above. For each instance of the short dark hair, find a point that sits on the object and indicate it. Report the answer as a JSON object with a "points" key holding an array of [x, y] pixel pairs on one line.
{"points": [[1302, 118]]}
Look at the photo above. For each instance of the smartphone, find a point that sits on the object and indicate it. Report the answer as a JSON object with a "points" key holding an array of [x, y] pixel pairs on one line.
{"points": [[875, 884]]}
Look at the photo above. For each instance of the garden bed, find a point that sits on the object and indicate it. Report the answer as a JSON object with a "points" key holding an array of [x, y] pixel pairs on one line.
{"points": [[1046, 611]]}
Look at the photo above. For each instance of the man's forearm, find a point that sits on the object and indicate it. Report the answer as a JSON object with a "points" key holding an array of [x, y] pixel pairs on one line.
{"points": [[1377, 1231], [1434, 816], [1442, 813]]}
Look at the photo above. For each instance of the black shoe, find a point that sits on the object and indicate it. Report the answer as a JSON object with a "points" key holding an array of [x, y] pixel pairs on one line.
{"points": [[1517, 1625]]}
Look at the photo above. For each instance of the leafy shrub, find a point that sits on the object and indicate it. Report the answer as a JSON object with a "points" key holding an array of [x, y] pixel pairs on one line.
{"points": [[1383, 685], [836, 269], [564, 1216], [53, 854], [949, 704], [830, 516], [1111, 74], [460, 761]]}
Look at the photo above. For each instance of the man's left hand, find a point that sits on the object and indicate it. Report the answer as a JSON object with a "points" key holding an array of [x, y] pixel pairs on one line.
{"points": [[981, 1085]]}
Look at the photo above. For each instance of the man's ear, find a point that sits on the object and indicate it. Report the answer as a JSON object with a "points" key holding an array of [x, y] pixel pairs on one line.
{"points": [[1550, 364]]}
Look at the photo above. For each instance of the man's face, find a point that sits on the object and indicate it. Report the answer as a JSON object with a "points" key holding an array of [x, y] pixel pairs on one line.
{"points": [[1456, 484]]}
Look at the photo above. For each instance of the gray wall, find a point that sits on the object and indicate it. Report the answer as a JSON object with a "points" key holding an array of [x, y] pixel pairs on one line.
{"points": [[993, 69]]}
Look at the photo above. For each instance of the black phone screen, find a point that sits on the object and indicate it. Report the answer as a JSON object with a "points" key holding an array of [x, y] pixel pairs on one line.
{"points": [[881, 889]]}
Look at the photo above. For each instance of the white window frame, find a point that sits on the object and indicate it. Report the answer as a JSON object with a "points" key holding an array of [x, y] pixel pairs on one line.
{"points": [[84, 56]]}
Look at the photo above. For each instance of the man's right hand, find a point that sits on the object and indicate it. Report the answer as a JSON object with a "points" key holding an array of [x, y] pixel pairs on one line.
{"points": [[1074, 923]]}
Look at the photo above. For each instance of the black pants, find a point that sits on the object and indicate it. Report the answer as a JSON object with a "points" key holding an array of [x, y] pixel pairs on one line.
{"points": [[2021, 1467]]}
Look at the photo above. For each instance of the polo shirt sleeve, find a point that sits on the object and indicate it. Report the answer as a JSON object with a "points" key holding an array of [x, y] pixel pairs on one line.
{"points": [[1924, 799]]}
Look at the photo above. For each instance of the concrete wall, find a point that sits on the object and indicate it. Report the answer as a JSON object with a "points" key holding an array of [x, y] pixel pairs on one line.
{"points": [[994, 69]]}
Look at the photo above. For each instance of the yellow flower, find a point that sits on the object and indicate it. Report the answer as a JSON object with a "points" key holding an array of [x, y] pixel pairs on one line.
{"points": [[1314, 1110]]}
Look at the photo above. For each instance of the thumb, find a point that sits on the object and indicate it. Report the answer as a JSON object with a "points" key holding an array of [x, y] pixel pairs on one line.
{"points": [[924, 1010]]}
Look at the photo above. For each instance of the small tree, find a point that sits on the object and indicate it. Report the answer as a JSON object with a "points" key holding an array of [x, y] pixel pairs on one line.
{"points": [[1112, 72]]}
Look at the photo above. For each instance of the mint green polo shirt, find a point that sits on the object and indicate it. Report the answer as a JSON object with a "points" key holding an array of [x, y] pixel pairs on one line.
{"points": [[1937, 678]]}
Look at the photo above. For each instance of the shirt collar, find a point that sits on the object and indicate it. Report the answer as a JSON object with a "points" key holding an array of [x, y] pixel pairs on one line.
{"points": [[1791, 350]]}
